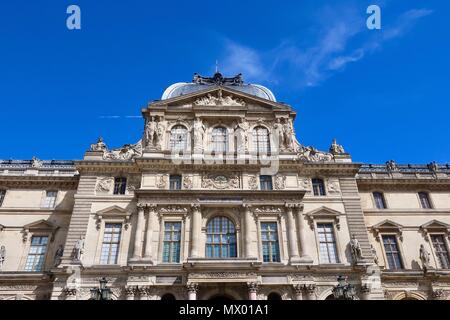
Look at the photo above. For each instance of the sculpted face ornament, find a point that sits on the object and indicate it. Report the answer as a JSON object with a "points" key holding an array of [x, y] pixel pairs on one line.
{"points": [[221, 182]]}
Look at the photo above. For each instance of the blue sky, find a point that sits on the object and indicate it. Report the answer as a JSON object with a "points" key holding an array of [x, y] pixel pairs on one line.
{"points": [[383, 94]]}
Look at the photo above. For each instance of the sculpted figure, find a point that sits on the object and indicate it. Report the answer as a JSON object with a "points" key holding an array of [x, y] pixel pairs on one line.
{"points": [[199, 133], [356, 249], [2, 256], [336, 148], [424, 257], [278, 134], [99, 146], [160, 129], [79, 249], [391, 165], [374, 254], [58, 256], [288, 133], [150, 130], [241, 131]]}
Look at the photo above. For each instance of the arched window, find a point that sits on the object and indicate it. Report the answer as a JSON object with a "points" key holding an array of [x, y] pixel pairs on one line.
{"points": [[178, 138], [274, 296], [318, 187], [168, 297], [261, 140], [221, 238], [380, 203], [219, 140], [425, 200]]}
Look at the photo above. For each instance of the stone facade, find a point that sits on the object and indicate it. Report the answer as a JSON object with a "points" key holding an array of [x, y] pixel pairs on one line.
{"points": [[206, 153]]}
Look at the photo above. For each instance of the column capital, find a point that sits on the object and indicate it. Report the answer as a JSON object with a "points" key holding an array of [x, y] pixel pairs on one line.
{"points": [[309, 288], [152, 207], [130, 290], [252, 286], [196, 206], [192, 287], [70, 292], [141, 206]]}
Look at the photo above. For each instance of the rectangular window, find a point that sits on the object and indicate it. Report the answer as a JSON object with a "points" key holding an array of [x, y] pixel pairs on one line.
{"points": [[270, 246], [266, 182], [440, 249], [327, 243], [175, 182], [36, 255], [379, 200], [2, 196], [425, 200], [120, 185], [318, 187], [172, 240], [111, 242], [50, 199], [392, 252]]}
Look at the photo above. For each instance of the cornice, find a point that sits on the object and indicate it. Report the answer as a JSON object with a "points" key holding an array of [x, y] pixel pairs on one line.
{"points": [[26, 182]]}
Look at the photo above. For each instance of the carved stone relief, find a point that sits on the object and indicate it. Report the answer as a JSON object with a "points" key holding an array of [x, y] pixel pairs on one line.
{"points": [[280, 182], [221, 181], [333, 186], [104, 184], [253, 182]]}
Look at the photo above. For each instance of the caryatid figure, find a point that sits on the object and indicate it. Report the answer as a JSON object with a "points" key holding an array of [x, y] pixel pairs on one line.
{"points": [[150, 130], [199, 134]]}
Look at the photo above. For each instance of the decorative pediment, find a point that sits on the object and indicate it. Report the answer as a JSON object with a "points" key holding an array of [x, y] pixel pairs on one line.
{"points": [[220, 95], [323, 213], [435, 226], [41, 226], [113, 212], [387, 226]]}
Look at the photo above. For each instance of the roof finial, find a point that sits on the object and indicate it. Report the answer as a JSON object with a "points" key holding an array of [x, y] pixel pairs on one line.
{"points": [[217, 66]]}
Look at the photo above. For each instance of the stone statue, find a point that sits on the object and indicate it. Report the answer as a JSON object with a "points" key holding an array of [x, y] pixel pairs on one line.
{"points": [[278, 134], [433, 166], [150, 132], [79, 249], [36, 163], [58, 256], [356, 249], [160, 130], [336, 148], [391, 165], [374, 254], [99, 146], [2, 256], [424, 257], [312, 154], [199, 134], [241, 131], [126, 152], [288, 133]]}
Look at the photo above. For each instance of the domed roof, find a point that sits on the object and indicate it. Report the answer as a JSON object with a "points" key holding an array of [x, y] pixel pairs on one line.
{"points": [[200, 83]]}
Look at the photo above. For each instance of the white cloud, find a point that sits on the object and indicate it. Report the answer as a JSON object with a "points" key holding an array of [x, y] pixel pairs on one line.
{"points": [[339, 42]]}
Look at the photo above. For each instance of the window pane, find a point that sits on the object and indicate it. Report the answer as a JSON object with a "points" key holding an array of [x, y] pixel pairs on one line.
{"points": [[327, 243], [318, 187], [379, 200], [266, 182], [440, 249], [120, 185], [261, 140], [392, 252], [221, 238], [178, 138], [424, 200], [175, 182], [2, 196], [110, 245], [270, 245], [219, 140], [36, 254], [172, 242]]}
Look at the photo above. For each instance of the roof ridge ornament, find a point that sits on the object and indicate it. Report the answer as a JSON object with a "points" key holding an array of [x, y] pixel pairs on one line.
{"points": [[218, 79]]}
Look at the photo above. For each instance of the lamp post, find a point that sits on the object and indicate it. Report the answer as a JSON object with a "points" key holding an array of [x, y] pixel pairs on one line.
{"points": [[344, 290], [101, 293]]}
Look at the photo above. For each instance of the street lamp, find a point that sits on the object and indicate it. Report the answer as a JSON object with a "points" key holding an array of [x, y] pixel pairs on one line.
{"points": [[344, 290], [101, 293]]}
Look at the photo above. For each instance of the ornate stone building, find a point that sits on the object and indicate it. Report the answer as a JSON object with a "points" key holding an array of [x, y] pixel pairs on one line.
{"points": [[220, 200]]}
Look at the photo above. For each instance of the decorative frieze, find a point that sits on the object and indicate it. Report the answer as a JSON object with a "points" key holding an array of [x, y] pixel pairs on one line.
{"points": [[221, 181], [280, 182]]}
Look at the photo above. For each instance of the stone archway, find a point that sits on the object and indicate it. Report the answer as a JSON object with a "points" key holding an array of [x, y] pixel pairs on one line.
{"points": [[221, 297]]}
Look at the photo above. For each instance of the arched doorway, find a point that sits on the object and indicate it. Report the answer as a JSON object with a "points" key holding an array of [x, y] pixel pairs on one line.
{"points": [[168, 297], [274, 296]]}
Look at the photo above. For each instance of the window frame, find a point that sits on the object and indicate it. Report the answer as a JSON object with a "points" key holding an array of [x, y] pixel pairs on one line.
{"points": [[45, 199], [180, 181], [260, 231], [221, 244], [323, 185], [336, 241], [123, 186], [45, 255], [428, 197], [226, 142], [433, 249], [383, 198], [175, 217], [270, 179], [256, 141], [171, 241], [119, 243], [3, 193], [399, 249], [173, 143]]}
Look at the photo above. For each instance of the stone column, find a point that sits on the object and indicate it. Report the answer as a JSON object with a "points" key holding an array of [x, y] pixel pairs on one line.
{"points": [[292, 237], [252, 290], [247, 233], [298, 289], [149, 232], [438, 294], [138, 234], [304, 256], [196, 229], [365, 292], [192, 289]]}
